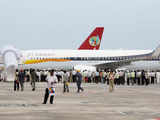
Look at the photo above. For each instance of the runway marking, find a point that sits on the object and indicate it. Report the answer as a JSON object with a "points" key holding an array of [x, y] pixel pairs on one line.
{"points": [[18, 105], [123, 113], [154, 119]]}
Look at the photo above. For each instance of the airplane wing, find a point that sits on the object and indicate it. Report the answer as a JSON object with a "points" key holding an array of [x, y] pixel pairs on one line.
{"points": [[113, 65]]}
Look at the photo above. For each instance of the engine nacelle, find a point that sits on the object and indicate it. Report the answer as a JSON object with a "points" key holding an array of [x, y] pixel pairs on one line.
{"points": [[85, 68], [11, 57]]}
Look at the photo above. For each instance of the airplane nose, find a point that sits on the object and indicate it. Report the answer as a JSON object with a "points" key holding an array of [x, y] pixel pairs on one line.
{"points": [[10, 60]]}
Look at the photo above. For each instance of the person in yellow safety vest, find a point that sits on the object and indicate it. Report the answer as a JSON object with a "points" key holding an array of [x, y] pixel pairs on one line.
{"points": [[104, 77], [132, 77]]}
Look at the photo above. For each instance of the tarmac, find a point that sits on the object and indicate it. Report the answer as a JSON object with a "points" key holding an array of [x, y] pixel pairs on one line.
{"points": [[95, 103]]}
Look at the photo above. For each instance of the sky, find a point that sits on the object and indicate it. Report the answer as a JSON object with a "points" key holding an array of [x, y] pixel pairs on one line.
{"points": [[65, 24]]}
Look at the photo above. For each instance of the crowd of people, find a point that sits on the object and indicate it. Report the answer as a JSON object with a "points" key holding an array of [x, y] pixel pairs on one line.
{"points": [[109, 77], [121, 77]]}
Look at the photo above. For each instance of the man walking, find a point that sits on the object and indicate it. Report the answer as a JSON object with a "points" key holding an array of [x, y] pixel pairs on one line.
{"points": [[111, 81], [16, 82], [79, 81], [21, 77], [33, 78], [51, 85], [65, 82]]}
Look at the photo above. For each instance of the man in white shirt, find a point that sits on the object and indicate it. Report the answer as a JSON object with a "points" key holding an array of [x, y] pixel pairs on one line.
{"points": [[51, 85]]}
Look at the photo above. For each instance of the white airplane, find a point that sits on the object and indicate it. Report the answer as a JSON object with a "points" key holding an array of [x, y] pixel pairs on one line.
{"points": [[13, 58], [68, 59]]}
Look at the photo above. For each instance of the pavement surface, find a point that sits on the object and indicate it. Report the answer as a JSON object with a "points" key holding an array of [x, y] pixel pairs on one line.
{"points": [[95, 103]]}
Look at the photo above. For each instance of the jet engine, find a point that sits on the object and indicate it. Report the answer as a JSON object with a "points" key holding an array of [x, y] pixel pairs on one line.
{"points": [[83, 68], [11, 57]]}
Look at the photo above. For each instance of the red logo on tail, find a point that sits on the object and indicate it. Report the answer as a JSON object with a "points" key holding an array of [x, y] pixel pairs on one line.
{"points": [[93, 41]]}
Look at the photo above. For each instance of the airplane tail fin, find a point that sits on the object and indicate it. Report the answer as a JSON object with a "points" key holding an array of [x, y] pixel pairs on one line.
{"points": [[93, 41]]}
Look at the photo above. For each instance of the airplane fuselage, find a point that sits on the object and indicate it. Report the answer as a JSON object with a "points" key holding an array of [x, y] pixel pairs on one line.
{"points": [[67, 59]]}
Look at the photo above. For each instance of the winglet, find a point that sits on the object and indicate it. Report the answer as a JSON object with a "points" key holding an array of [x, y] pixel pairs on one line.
{"points": [[93, 41]]}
